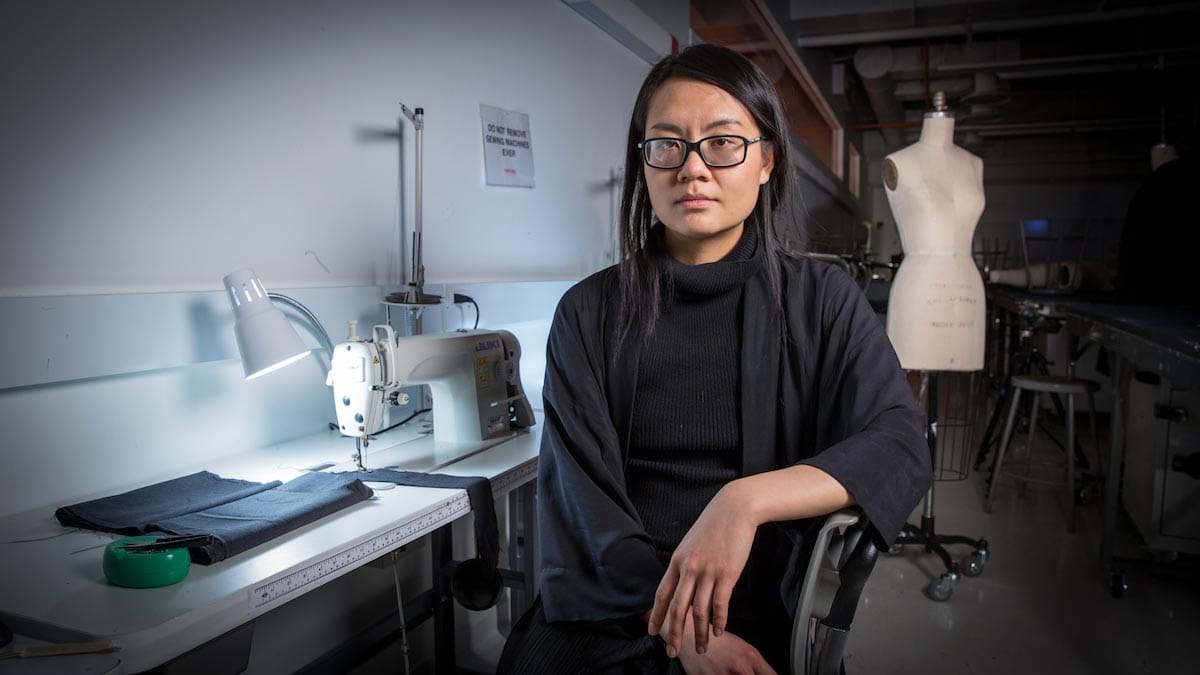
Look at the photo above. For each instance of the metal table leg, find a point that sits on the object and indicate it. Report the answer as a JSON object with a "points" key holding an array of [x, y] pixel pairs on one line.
{"points": [[522, 537], [442, 552], [1112, 480]]}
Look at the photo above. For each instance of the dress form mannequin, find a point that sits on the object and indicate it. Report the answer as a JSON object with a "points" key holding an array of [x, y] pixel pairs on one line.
{"points": [[936, 312]]}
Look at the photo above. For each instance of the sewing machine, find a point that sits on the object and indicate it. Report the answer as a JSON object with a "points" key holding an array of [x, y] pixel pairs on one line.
{"points": [[473, 376]]}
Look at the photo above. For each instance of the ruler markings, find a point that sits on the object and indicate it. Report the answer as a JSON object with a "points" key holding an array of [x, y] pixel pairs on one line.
{"points": [[370, 549]]}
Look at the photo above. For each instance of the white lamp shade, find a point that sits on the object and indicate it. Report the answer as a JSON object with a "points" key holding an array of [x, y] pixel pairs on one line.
{"points": [[265, 337]]}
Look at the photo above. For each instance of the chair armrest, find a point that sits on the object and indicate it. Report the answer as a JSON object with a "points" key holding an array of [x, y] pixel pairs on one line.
{"points": [[842, 557]]}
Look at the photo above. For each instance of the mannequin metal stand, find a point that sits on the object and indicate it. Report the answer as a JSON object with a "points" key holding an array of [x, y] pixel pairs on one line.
{"points": [[926, 535]]}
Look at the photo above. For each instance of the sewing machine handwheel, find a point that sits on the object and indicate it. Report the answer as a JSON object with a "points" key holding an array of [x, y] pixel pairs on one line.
{"points": [[475, 586]]}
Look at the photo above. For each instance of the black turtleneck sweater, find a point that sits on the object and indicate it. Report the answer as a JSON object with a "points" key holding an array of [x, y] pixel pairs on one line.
{"points": [[685, 440]]}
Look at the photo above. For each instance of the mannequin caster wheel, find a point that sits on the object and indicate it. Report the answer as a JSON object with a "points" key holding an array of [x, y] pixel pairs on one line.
{"points": [[942, 588], [972, 565]]}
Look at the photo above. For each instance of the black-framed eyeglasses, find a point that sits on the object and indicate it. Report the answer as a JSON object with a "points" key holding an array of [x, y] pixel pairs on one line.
{"points": [[715, 151]]}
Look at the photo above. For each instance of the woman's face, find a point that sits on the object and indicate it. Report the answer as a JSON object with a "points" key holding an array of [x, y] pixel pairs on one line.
{"points": [[703, 208]]}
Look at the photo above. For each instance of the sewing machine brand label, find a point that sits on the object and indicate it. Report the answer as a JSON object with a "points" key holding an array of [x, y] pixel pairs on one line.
{"points": [[487, 345], [350, 368]]}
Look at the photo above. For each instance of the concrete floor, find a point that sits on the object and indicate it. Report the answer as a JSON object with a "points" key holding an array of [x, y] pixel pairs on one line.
{"points": [[1041, 605]]}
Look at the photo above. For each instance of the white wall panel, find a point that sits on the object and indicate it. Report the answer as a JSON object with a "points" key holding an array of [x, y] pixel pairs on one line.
{"points": [[153, 147]]}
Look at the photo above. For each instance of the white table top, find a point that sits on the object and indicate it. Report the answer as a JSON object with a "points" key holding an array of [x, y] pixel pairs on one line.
{"points": [[53, 587]]}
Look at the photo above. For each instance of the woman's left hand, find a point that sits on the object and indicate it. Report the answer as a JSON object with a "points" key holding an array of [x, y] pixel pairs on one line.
{"points": [[703, 571]]}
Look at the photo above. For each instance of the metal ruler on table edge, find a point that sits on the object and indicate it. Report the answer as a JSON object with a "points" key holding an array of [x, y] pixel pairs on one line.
{"points": [[370, 549], [382, 543]]}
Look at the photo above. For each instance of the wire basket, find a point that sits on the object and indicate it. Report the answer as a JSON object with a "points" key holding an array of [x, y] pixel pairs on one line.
{"points": [[957, 417]]}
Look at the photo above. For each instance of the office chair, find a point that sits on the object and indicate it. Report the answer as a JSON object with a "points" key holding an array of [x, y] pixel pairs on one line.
{"points": [[842, 558]]}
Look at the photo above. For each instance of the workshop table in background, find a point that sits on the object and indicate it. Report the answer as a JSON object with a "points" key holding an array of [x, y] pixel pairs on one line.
{"points": [[1163, 340]]}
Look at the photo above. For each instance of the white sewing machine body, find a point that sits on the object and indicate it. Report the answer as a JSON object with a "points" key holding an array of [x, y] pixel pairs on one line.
{"points": [[474, 377]]}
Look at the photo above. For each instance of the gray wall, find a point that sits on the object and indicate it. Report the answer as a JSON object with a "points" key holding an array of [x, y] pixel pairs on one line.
{"points": [[157, 146]]}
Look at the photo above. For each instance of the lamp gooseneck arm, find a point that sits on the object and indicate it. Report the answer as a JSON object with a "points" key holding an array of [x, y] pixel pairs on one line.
{"points": [[312, 318]]}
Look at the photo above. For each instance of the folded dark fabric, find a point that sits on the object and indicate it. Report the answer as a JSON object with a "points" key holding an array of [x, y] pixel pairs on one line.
{"points": [[243, 524], [479, 492], [133, 512], [239, 514]]}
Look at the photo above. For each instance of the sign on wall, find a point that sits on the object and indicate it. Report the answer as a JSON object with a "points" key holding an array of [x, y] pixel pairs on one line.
{"points": [[507, 149]]}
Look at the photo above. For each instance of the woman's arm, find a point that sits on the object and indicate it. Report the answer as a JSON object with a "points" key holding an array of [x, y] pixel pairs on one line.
{"points": [[710, 558], [792, 493]]}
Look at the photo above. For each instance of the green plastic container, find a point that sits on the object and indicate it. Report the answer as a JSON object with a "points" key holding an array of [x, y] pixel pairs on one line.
{"points": [[144, 569]]}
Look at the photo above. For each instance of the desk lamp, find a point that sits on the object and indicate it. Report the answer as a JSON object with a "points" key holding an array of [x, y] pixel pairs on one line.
{"points": [[265, 338]]}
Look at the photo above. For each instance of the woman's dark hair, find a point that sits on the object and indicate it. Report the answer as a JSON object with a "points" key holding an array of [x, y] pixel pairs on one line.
{"points": [[642, 271]]}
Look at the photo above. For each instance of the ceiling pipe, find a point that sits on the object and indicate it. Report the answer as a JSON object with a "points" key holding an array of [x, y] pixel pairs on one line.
{"points": [[914, 90], [994, 26], [1055, 61], [874, 65], [886, 125], [1061, 127], [1071, 71]]}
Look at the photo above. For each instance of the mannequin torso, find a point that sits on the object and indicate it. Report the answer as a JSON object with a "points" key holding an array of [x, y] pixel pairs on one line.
{"points": [[936, 312]]}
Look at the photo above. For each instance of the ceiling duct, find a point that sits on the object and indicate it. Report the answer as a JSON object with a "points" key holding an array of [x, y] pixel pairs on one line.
{"points": [[982, 113], [968, 29], [874, 67], [915, 90], [986, 92]]}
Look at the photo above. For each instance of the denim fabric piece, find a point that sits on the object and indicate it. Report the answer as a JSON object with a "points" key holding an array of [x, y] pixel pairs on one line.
{"points": [[134, 512], [243, 524], [479, 491]]}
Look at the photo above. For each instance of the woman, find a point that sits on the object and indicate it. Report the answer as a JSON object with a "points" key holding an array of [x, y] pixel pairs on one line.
{"points": [[704, 400]]}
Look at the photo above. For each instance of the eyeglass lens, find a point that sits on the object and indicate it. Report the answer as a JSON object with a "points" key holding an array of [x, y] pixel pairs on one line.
{"points": [[715, 151]]}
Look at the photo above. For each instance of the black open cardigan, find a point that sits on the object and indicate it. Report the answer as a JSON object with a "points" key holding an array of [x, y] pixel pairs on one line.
{"points": [[820, 385]]}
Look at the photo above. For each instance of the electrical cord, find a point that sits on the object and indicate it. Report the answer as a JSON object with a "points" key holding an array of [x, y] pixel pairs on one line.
{"points": [[334, 427], [400, 610], [459, 298], [406, 420]]}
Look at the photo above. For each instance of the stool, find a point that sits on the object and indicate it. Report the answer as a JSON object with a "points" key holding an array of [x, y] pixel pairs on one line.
{"points": [[1047, 384]]}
